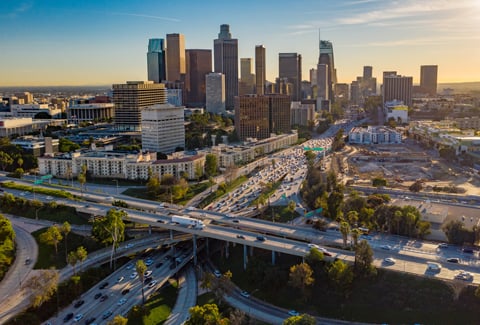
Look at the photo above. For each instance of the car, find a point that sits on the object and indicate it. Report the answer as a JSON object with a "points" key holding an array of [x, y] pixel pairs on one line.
{"points": [[149, 262], [261, 238], [313, 246], [78, 317], [158, 265], [107, 314], [236, 221], [366, 237], [120, 279], [453, 260], [468, 250], [79, 303], [121, 301], [293, 313], [389, 260], [443, 245], [129, 245], [465, 276], [133, 275], [98, 295], [67, 317], [49, 198], [325, 252], [245, 294], [28, 261], [104, 285], [241, 236], [104, 297], [147, 273], [125, 291], [90, 320], [147, 280], [152, 284], [129, 266], [217, 273], [386, 247]]}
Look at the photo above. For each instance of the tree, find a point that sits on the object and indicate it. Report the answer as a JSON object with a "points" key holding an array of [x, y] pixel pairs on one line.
{"points": [[416, 186], [118, 320], [341, 276], [153, 184], [180, 189], [223, 285], [5, 160], [72, 260], [198, 171], [301, 276], [141, 269], [211, 164], [314, 258], [363, 259], [82, 177], [300, 320], [236, 317], [110, 230], [334, 201], [207, 281], [355, 233], [81, 253], [65, 229], [455, 232], [379, 181], [207, 314], [291, 206], [52, 236], [344, 230], [42, 286]]}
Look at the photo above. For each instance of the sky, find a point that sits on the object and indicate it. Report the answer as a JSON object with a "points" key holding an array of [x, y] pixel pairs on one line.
{"points": [[101, 42]]}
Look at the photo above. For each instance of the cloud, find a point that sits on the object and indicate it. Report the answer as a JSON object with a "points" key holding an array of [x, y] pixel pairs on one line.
{"points": [[418, 41], [146, 16]]}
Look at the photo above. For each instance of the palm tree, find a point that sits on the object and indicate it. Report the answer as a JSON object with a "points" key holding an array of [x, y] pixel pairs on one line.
{"points": [[344, 229], [141, 268]]}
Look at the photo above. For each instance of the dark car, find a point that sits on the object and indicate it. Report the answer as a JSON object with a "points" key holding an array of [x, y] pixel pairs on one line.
{"points": [[67, 317], [236, 220], [90, 320], [125, 291], [104, 297], [79, 303], [453, 260], [158, 265], [261, 238], [104, 285], [148, 279], [107, 314], [98, 295], [468, 250]]}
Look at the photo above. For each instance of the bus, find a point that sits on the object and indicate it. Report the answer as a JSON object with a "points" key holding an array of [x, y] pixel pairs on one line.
{"points": [[364, 231]]}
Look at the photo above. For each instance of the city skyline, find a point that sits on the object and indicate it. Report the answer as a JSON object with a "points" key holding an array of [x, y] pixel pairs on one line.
{"points": [[99, 43]]}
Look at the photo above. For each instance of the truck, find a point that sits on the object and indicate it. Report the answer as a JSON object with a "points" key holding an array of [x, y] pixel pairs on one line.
{"points": [[187, 221]]}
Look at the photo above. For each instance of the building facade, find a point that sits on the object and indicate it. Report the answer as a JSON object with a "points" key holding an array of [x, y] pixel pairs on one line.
{"points": [[302, 114], [77, 113], [226, 61], [156, 60], [428, 79], [176, 66], [252, 117], [397, 87], [247, 78], [131, 98], [290, 67], [199, 64], [374, 135], [260, 69], [326, 57], [215, 101], [279, 113]]}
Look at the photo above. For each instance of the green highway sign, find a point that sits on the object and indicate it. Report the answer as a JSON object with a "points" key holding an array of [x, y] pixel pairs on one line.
{"points": [[38, 181], [46, 177]]}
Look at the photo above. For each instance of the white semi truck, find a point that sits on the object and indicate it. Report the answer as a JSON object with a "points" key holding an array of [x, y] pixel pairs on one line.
{"points": [[187, 221]]}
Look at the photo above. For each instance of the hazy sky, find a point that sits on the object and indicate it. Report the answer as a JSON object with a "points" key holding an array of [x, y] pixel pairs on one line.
{"points": [[66, 42]]}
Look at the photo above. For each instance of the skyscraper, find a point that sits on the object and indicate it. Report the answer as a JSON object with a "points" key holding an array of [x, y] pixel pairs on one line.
{"points": [[156, 60], [247, 79], [279, 113], [367, 72], [252, 117], [260, 69], [290, 67], [175, 56], [215, 93], [326, 57], [199, 64], [428, 79], [396, 87], [226, 62], [131, 98], [323, 92]]}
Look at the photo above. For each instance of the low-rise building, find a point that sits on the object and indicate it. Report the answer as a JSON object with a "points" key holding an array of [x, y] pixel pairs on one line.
{"points": [[374, 135], [397, 111]]}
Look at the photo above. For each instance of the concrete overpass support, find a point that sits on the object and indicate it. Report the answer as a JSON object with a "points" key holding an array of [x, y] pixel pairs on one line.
{"points": [[227, 252], [149, 229], [171, 234], [273, 257], [195, 250], [251, 250], [245, 257], [207, 246]]}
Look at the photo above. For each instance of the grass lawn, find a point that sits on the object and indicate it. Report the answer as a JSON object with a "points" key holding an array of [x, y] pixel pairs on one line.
{"points": [[158, 307], [46, 253], [388, 297]]}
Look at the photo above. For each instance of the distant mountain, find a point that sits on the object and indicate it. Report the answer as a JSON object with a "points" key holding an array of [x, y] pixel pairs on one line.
{"points": [[460, 87]]}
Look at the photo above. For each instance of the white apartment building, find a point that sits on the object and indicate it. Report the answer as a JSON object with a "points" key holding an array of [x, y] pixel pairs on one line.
{"points": [[374, 135], [163, 128], [397, 111], [215, 93]]}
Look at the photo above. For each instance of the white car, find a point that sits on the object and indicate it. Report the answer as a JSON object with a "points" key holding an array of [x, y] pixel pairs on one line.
{"points": [[122, 301], [78, 317], [129, 245], [313, 246], [152, 284], [386, 247], [389, 260], [129, 266], [120, 279], [217, 273], [293, 313], [245, 294], [465, 276], [133, 275], [147, 273]]}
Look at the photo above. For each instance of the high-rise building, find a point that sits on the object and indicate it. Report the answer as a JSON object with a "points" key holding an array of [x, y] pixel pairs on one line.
{"points": [[175, 57], [313, 77], [367, 72], [399, 88], [323, 91], [156, 60], [247, 79], [199, 64], [428, 79], [226, 62], [341, 90], [326, 57], [131, 98], [290, 67], [279, 113], [215, 83], [252, 117], [302, 114], [163, 128], [260, 69]]}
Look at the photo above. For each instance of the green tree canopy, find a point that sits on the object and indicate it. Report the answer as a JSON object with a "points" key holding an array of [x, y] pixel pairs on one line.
{"points": [[110, 230], [207, 314], [300, 320]]}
